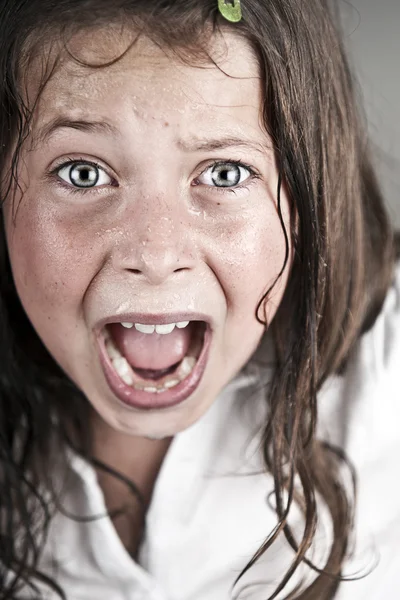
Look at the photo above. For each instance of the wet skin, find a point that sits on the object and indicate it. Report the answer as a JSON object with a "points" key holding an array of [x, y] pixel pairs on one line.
{"points": [[157, 234]]}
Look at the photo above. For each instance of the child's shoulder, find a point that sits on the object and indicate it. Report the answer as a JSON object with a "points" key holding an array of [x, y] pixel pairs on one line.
{"points": [[360, 413], [366, 395], [380, 347]]}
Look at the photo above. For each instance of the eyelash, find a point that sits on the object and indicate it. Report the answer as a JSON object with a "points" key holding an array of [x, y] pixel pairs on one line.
{"points": [[53, 174], [253, 175]]}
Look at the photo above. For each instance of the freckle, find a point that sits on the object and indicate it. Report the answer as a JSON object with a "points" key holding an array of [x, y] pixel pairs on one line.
{"points": [[166, 124]]}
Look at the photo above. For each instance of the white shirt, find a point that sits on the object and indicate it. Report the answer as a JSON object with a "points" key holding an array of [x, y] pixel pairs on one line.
{"points": [[210, 510]]}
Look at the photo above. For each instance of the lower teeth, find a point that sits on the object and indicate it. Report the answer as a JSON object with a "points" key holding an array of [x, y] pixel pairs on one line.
{"points": [[171, 383], [124, 370]]}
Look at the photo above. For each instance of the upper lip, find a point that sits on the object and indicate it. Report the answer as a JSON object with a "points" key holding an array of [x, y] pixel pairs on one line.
{"points": [[154, 319]]}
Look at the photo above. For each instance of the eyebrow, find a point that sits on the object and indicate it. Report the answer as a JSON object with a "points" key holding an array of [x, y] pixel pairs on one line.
{"points": [[190, 145], [81, 125], [221, 143]]}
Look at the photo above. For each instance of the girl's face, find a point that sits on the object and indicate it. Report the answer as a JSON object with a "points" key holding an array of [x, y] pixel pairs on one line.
{"points": [[149, 199]]}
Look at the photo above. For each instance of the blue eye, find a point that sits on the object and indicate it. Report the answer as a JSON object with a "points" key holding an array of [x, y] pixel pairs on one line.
{"points": [[225, 174], [83, 175]]}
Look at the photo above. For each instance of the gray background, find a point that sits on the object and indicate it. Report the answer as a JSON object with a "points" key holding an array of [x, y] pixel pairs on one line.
{"points": [[372, 32]]}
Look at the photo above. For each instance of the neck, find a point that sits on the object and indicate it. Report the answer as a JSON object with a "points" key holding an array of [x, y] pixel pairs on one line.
{"points": [[139, 459]]}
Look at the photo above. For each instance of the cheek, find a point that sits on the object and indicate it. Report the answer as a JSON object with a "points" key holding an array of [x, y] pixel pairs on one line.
{"points": [[248, 256], [48, 260]]}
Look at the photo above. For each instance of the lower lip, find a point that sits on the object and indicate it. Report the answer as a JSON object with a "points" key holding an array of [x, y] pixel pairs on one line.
{"points": [[153, 401]]}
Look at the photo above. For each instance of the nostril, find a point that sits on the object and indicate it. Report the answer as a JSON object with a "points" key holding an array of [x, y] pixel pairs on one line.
{"points": [[139, 272]]}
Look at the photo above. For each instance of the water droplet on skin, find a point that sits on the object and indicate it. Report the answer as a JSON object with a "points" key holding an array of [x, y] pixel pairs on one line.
{"points": [[195, 212], [124, 307]]}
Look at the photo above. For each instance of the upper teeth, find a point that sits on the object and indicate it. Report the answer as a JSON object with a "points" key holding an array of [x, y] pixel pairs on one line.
{"points": [[160, 329]]}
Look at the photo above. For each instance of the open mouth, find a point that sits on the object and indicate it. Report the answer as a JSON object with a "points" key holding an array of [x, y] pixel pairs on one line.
{"points": [[154, 365]]}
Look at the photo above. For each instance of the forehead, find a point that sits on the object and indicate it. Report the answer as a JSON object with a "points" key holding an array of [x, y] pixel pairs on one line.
{"points": [[150, 82]]}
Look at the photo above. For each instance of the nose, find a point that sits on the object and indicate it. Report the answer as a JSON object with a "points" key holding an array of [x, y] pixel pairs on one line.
{"points": [[155, 243]]}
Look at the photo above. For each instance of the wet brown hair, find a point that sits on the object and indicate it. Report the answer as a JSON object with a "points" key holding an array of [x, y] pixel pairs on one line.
{"points": [[343, 264]]}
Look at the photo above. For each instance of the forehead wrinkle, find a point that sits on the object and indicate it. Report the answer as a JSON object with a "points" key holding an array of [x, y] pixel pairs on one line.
{"points": [[139, 105]]}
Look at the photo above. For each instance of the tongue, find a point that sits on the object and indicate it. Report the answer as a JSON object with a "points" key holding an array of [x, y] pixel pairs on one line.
{"points": [[154, 351]]}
